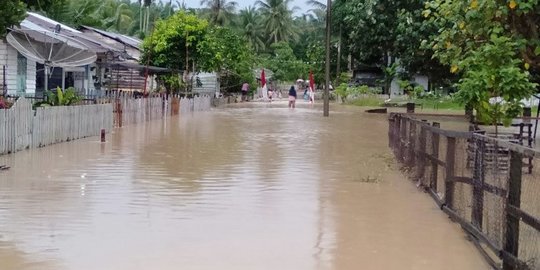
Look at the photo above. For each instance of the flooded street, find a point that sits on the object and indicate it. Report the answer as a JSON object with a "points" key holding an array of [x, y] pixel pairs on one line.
{"points": [[247, 187]]}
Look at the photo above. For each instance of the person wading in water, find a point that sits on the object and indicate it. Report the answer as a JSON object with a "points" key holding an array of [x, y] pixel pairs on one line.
{"points": [[245, 89], [292, 97]]}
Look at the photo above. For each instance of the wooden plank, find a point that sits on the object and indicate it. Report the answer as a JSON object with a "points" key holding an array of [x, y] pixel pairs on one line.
{"points": [[514, 199], [477, 212], [525, 217], [450, 171], [434, 155]]}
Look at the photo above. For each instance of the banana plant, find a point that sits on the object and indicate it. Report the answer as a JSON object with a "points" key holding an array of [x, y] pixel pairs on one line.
{"points": [[60, 97]]}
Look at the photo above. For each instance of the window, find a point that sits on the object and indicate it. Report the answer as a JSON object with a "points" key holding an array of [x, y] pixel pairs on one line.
{"points": [[21, 73]]}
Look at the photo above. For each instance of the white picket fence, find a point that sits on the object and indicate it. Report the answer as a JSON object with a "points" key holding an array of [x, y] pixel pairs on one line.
{"points": [[21, 128], [129, 111], [196, 104]]}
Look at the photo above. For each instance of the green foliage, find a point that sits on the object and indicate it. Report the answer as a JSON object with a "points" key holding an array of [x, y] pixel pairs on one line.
{"points": [[60, 97], [277, 20], [410, 89], [54, 9], [361, 92], [493, 71], [343, 78], [368, 101], [224, 52], [342, 91], [376, 33], [221, 11], [439, 103], [12, 12], [174, 41], [316, 56], [491, 45], [390, 73], [250, 27], [284, 64]]}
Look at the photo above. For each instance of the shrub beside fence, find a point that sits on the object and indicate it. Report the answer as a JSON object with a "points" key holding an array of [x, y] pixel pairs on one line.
{"points": [[488, 185]]}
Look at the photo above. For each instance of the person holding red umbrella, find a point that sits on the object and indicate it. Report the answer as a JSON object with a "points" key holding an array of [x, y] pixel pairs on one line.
{"points": [[311, 88]]}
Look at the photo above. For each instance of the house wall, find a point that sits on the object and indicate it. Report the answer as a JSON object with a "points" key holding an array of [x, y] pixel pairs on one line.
{"points": [[8, 58], [209, 83], [422, 80]]}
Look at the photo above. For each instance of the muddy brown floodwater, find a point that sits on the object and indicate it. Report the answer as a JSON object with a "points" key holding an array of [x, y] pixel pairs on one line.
{"points": [[245, 187]]}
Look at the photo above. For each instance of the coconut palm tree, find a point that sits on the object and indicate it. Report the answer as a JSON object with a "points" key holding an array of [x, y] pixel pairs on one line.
{"points": [[221, 11], [316, 4], [278, 21], [117, 16], [250, 27], [85, 12]]}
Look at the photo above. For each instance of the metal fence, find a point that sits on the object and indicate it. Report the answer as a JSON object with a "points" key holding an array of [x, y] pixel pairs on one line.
{"points": [[489, 186]]}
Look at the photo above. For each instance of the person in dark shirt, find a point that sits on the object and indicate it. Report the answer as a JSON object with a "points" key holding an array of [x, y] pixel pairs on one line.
{"points": [[292, 97]]}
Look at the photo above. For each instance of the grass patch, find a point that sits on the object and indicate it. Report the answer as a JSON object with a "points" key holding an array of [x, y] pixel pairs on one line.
{"points": [[439, 104], [370, 101]]}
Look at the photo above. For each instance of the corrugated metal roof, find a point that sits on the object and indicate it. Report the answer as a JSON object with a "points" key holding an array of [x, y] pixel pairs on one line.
{"points": [[48, 23], [131, 41], [38, 22]]}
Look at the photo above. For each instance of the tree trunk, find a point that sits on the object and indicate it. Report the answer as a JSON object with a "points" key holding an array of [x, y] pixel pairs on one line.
{"points": [[339, 54], [147, 21]]}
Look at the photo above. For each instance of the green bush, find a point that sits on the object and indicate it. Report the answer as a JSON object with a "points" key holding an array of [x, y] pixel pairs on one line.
{"points": [[60, 98]]}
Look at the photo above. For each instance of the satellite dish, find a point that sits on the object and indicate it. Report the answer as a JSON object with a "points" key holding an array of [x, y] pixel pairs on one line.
{"points": [[51, 49]]}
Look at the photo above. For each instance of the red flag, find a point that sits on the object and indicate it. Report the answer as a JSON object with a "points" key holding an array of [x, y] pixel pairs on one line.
{"points": [[311, 81], [263, 79]]}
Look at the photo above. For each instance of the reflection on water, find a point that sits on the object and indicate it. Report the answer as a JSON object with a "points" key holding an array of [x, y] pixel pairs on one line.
{"points": [[246, 187]]}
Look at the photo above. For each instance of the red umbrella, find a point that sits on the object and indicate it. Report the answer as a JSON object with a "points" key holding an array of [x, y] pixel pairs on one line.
{"points": [[311, 81], [263, 79]]}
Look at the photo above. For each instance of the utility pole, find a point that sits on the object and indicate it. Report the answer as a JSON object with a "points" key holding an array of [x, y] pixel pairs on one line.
{"points": [[326, 96]]}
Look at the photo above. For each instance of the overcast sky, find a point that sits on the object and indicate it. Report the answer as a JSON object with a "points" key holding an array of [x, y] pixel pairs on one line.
{"points": [[245, 3]]}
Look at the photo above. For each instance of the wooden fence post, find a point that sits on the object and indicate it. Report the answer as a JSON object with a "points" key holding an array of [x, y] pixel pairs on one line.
{"points": [[434, 155], [391, 131], [412, 144], [478, 184], [401, 138], [397, 131], [514, 199], [422, 152], [450, 172]]}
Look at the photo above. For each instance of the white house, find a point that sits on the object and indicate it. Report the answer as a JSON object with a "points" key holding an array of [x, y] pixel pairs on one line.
{"points": [[115, 66], [17, 74]]}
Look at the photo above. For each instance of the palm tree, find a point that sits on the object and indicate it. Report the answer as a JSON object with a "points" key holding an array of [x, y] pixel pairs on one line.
{"points": [[220, 10], [316, 4], [278, 20], [250, 28], [117, 16], [86, 12]]}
